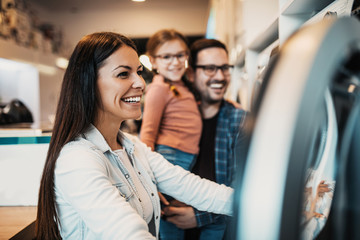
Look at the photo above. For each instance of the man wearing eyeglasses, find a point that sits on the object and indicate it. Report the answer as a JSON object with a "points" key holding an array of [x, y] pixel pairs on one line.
{"points": [[222, 121]]}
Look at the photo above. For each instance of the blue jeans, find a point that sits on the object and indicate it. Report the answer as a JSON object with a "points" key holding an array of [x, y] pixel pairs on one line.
{"points": [[169, 231], [215, 231], [177, 157]]}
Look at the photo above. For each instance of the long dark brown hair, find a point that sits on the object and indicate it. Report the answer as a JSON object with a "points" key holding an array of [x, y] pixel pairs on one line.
{"points": [[76, 110], [158, 39]]}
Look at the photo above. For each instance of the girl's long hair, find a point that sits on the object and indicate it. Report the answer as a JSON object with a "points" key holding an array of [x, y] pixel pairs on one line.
{"points": [[76, 110]]}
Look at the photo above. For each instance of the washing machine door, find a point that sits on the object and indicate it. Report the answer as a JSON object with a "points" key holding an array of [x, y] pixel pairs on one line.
{"points": [[303, 132]]}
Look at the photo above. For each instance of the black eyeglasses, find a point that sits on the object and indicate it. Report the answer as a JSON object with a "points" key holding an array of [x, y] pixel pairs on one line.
{"points": [[168, 58], [210, 70]]}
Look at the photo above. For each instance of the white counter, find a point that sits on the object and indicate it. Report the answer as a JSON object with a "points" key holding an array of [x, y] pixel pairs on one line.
{"points": [[22, 157]]}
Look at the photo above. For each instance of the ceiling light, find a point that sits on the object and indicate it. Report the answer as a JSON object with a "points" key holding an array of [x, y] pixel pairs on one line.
{"points": [[61, 63], [138, 0]]}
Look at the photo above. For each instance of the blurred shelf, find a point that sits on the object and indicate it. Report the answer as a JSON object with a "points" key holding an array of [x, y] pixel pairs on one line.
{"points": [[267, 37], [304, 6]]}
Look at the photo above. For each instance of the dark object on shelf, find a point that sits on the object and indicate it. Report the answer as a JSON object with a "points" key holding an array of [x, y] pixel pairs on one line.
{"points": [[15, 112]]}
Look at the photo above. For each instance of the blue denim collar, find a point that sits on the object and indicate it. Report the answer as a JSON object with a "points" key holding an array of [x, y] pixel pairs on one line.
{"points": [[94, 136]]}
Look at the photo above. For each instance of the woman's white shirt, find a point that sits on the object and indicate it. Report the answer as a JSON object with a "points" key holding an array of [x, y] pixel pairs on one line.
{"points": [[144, 195], [95, 197]]}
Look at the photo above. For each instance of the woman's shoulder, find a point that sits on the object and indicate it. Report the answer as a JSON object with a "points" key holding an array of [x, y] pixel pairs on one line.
{"points": [[79, 147], [80, 153]]}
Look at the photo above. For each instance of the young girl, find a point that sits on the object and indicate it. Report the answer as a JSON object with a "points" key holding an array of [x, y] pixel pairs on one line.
{"points": [[171, 122]]}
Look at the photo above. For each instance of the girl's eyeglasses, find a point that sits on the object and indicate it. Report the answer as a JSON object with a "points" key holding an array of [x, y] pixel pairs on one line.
{"points": [[168, 58]]}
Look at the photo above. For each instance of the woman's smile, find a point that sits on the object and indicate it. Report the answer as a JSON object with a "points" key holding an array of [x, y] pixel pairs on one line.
{"points": [[132, 100]]}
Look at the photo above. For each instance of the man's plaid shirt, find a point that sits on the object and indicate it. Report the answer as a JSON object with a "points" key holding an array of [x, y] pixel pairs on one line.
{"points": [[229, 124]]}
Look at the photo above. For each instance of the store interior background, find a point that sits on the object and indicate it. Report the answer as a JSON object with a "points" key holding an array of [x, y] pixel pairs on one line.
{"points": [[236, 22], [30, 69]]}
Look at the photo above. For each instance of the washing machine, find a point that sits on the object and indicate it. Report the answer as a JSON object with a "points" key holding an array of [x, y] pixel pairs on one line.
{"points": [[298, 174]]}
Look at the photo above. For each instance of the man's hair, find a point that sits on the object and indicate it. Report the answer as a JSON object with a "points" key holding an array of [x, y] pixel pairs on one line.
{"points": [[202, 44]]}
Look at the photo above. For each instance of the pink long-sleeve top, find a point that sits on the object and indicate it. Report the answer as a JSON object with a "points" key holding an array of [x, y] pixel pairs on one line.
{"points": [[170, 120]]}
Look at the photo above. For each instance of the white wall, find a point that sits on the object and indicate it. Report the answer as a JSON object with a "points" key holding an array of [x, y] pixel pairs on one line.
{"points": [[135, 22], [257, 16]]}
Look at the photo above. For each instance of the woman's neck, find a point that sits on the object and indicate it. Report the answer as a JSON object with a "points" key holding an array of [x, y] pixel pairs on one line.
{"points": [[109, 130]]}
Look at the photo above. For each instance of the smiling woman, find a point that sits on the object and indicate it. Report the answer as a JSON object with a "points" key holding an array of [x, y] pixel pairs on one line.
{"points": [[121, 87], [98, 182]]}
